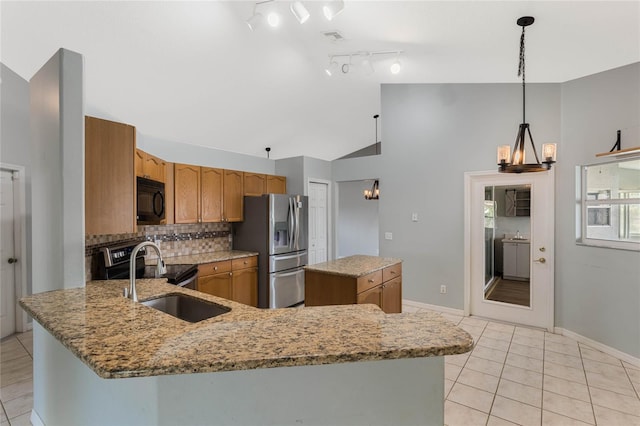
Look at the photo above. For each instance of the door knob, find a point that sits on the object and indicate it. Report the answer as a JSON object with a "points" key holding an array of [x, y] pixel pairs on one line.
{"points": [[12, 260], [541, 260]]}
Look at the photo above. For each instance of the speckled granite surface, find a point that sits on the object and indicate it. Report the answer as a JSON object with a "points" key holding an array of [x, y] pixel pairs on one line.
{"points": [[198, 259], [353, 266], [118, 338]]}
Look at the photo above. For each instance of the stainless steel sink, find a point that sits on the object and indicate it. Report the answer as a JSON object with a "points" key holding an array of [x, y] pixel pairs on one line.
{"points": [[186, 308]]}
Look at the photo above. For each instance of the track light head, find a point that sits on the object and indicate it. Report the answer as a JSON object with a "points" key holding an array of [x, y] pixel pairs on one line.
{"points": [[332, 9], [273, 19], [300, 12], [254, 21], [396, 66], [332, 69]]}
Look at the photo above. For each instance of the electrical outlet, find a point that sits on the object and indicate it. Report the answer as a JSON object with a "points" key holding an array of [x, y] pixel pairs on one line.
{"points": [[388, 236], [414, 217], [443, 289]]}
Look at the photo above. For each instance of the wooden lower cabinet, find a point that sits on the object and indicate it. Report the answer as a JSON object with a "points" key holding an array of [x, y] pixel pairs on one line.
{"points": [[235, 279], [382, 288]]}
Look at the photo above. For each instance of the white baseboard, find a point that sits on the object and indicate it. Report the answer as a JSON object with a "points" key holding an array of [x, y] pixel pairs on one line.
{"points": [[599, 346], [436, 308], [35, 418]]}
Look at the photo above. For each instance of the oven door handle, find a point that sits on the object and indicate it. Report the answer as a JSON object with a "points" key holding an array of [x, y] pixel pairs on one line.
{"points": [[189, 281]]}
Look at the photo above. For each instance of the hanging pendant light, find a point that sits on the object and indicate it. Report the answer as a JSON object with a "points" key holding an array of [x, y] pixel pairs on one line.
{"points": [[516, 163], [373, 193]]}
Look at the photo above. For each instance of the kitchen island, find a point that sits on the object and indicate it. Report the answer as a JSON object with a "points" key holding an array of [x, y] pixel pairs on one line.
{"points": [[325, 365], [356, 279]]}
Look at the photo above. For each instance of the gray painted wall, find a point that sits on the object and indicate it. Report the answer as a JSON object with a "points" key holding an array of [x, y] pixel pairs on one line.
{"points": [[57, 146], [357, 219], [15, 147], [597, 289], [432, 134], [293, 169]]}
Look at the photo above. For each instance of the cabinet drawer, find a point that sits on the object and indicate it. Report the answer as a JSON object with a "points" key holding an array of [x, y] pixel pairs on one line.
{"points": [[245, 262], [391, 272], [214, 268], [368, 281]]}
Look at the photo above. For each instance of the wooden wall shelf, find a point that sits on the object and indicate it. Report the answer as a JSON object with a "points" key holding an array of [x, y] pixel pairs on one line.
{"points": [[628, 151]]}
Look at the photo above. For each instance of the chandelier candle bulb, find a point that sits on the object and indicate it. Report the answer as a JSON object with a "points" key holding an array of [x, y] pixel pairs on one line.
{"points": [[549, 152], [504, 154]]}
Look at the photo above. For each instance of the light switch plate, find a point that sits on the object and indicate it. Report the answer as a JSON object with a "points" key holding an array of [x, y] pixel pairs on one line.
{"points": [[414, 217], [388, 236]]}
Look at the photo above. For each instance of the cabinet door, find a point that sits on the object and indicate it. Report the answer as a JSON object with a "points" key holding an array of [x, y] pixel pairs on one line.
{"points": [[109, 177], [244, 285], [139, 160], [276, 184], [373, 295], [233, 193], [522, 265], [392, 296], [216, 285], [254, 184], [187, 193], [154, 168], [211, 194], [510, 259]]}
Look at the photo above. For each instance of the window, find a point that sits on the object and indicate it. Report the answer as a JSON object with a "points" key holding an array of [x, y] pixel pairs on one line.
{"points": [[610, 204]]}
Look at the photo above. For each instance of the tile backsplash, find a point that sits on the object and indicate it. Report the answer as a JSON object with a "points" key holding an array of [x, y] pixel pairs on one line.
{"points": [[175, 240]]}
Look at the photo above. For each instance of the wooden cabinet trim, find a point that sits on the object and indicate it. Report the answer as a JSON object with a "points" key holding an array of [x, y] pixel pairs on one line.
{"points": [[368, 281], [244, 262], [391, 272], [214, 268]]}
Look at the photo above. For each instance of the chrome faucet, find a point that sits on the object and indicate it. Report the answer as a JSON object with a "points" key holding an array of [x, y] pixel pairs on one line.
{"points": [[132, 294]]}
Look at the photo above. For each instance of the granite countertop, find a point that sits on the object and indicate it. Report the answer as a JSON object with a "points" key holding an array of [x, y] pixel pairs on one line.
{"points": [[353, 266], [119, 338], [201, 258]]}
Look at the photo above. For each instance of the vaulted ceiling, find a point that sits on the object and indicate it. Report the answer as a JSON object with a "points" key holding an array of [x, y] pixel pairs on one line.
{"points": [[193, 72]]}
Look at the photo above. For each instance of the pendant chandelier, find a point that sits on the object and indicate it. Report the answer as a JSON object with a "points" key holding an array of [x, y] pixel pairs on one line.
{"points": [[373, 193], [515, 163]]}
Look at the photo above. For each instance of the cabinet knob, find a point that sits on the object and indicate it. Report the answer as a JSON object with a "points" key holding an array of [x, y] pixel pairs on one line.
{"points": [[230, 273], [370, 280], [215, 268], [393, 272]]}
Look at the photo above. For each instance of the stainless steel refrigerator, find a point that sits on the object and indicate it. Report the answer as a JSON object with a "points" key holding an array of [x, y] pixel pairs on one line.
{"points": [[275, 226]]}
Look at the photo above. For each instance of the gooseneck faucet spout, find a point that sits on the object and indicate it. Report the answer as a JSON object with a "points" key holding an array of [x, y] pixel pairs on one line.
{"points": [[133, 295]]}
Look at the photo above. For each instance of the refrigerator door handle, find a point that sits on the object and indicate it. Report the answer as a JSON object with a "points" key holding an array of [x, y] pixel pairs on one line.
{"points": [[297, 216], [291, 224], [288, 274]]}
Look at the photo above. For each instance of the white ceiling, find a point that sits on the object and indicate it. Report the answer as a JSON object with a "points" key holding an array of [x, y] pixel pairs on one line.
{"points": [[193, 72]]}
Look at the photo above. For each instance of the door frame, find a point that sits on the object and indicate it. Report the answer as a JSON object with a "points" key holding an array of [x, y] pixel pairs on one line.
{"points": [[495, 178], [329, 212], [20, 240]]}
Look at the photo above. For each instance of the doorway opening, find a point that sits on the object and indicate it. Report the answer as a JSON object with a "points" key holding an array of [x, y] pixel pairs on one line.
{"points": [[358, 227]]}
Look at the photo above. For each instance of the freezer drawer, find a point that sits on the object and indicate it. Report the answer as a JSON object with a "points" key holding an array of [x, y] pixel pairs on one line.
{"points": [[286, 288], [282, 262]]}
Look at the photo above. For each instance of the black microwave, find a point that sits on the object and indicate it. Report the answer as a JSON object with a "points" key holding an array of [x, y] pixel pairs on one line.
{"points": [[150, 202]]}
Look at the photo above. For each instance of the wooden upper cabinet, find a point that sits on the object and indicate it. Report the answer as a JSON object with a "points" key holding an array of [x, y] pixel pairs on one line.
{"points": [[109, 177], [150, 167], [233, 196], [255, 184], [276, 184], [187, 193], [212, 181]]}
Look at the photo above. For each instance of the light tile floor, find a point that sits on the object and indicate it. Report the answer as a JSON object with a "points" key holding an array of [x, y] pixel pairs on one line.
{"points": [[513, 376]]}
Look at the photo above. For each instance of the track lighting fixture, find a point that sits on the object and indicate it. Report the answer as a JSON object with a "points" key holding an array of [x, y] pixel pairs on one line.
{"points": [[332, 8], [396, 67], [299, 11], [273, 19], [332, 69], [366, 63]]}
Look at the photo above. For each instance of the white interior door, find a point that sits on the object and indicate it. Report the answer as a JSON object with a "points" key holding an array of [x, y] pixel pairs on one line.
{"points": [[318, 222], [7, 252], [539, 313]]}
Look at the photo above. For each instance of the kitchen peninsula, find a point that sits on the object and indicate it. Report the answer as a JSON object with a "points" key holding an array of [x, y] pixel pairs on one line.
{"points": [[342, 357]]}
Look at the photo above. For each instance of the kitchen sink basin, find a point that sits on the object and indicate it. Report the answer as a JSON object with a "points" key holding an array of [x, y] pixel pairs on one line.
{"points": [[186, 308]]}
